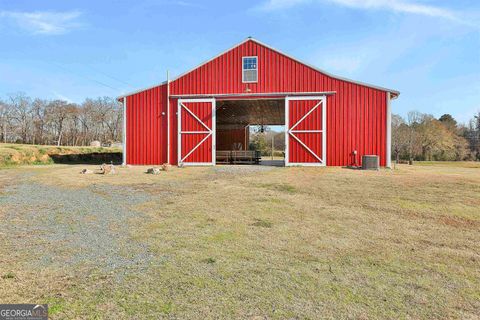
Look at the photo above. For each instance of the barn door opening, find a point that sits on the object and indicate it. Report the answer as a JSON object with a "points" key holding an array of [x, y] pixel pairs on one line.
{"points": [[250, 131], [196, 132], [305, 131]]}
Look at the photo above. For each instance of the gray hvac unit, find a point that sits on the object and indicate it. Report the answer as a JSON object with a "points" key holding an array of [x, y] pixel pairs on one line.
{"points": [[370, 162]]}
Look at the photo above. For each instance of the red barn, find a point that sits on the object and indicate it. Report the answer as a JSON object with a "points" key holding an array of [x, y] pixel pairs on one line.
{"points": [[329, 120]]}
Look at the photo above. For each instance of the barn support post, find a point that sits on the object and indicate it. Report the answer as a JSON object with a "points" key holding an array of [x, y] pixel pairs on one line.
{"points": [[124, 135], [179, 134], [168, 117], [389, 132], [214, 131], [287, 125]]}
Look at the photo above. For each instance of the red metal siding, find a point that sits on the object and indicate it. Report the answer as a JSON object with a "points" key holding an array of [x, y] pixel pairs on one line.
{"points": [[356, 114], [147, 127]]}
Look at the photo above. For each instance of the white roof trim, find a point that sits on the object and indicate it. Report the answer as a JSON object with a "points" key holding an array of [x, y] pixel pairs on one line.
{"points": [[395, 92]]}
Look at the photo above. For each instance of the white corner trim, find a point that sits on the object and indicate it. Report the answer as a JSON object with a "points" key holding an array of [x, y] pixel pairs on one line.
{"points": [[124, 151], [168, 117], [389, 132]]}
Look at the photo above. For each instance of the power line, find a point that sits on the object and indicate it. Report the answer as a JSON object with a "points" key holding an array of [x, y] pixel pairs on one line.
{"points": [[113, 78], [80, 75], [85, 77]]}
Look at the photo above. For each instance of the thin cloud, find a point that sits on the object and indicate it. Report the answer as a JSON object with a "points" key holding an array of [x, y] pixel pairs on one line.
{"points": [[272, 5], [347, 65], [399, 6], [43, 22], [185, 4], [178, 3], [62, 97]]}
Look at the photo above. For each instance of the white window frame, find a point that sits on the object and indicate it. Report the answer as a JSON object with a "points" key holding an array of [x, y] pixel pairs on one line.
{"points": [[243, 70], [290, 132]]}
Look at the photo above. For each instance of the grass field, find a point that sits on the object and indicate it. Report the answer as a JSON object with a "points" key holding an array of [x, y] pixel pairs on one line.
{"points": [[22, 154], [243, 242]]}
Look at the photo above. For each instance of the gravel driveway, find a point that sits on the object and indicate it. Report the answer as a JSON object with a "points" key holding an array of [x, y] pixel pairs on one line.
{"points": [[54, 226]]}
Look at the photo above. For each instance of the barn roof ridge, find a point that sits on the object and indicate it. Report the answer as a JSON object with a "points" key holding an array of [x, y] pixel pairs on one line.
{"points": [[394, 92]]}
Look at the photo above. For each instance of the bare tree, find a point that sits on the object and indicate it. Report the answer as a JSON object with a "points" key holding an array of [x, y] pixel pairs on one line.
{"points": [[59, 122], [472, 135], [21, 113], [400, 134], [58, 114], [4, 120], [39, 110]]}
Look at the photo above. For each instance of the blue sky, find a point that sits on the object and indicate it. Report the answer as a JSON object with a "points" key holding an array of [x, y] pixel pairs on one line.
{"points": [[428, 50]]}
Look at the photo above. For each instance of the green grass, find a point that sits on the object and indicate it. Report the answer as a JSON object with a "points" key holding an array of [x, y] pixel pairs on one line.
{"points": [[8, 275], [301, 243]]}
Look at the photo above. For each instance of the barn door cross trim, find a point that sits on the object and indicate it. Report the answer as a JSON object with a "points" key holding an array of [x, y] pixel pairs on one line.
{"points": [[209, 131], [292, 132]]}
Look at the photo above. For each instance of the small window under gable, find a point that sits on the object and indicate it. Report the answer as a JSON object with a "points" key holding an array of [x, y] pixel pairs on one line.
{"points": [[249, 69]]}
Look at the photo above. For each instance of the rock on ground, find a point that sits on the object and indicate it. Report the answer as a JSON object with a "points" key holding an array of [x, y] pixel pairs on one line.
{"points": [[166, 167], [153, 170], [107, 169]]}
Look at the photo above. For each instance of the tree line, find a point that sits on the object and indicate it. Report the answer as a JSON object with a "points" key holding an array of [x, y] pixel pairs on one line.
{"points": [[58, 122], [419, 136], [423, 137]]}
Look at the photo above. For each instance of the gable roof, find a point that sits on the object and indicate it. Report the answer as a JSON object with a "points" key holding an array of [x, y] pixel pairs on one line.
{"points": [[395, 93]]}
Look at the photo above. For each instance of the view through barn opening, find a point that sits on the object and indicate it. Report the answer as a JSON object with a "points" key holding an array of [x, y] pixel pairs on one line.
{"points": [[250, 132]]}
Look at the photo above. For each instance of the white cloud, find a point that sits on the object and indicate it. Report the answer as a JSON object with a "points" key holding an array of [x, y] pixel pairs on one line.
{"points": [[185, 4], [271, 5], [345, 65], [399, 6], [43, 22], [62, 97]]}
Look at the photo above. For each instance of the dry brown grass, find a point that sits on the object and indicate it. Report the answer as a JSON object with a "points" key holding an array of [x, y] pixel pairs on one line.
{"points": [[284, 243]]}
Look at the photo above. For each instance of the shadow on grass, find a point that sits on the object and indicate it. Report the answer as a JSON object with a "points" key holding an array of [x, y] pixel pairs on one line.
{"points": [[88, 158]]}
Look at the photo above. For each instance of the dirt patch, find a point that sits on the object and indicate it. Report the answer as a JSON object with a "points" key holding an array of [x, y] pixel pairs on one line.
{"points": [[459, 222]]}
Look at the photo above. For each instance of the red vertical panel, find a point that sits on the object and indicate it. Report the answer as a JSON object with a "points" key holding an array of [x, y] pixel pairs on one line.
{"points": [[131, 143], [156, 128], [146, 141], [137, 129], [145, 132]]}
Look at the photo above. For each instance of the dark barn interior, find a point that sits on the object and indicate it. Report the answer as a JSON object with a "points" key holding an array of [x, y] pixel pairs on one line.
{"points": [[233, 121]]}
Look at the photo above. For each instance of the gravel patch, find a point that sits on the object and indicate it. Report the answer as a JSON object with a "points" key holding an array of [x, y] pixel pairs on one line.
{"points": [[235, 169], [90, 226]]}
